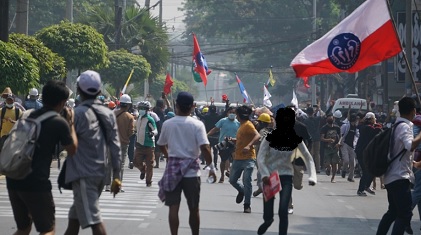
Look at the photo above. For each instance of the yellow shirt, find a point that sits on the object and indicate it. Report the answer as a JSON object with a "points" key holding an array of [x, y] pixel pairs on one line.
{"points": [[6, 125], [245, 135]]}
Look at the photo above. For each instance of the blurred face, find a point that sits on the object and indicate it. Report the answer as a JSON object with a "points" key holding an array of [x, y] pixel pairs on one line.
{"points": [[9, 101]]}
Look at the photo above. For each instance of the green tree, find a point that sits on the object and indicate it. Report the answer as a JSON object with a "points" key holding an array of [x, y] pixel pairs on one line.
{"points": [[121, 64], [18, 69], [138, 28], [80, 45], [51, 65]]}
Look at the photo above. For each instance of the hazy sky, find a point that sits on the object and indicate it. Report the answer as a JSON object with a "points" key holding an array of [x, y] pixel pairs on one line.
{"points": [[171, 15]]}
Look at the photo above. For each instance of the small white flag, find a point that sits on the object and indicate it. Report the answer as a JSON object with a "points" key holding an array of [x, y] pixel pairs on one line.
{"points": [[294, 100], [266, 97], [328, 103]]}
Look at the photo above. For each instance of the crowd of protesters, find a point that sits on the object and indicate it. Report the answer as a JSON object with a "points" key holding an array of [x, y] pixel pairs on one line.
{"points": [[241, 139]]}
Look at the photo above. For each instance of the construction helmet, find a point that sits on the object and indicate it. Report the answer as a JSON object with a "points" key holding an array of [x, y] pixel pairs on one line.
{"points": [[33, 92], [125, 99], [144, 105], [205, 110], [337, 114], [264, 117], [111, 105]]}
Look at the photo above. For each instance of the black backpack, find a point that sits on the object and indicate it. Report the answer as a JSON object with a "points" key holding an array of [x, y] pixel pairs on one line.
{"points": [[376, 154]]}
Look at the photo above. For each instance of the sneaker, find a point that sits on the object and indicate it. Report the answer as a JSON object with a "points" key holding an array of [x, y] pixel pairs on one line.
{"points": [[290, 211], [361, 193], [122, 191], [107, 188], [247, 210], [156, 166], [257, 192], [343, 174], [149, 184], [142, 175], [263, 227], [131, 165], [351, 180], [370, 191], [239, 198], [227, 174]]}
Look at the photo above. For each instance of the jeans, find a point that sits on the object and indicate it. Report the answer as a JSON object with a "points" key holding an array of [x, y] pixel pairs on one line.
{"points": [[284, 198], [348, 160], [238, 166], [416, 193], [366, 177], [399, 211]]}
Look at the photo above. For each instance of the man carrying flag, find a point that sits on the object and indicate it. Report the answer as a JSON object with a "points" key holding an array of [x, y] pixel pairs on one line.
{"points": [[366, 37], [242, 90], [199, 63]]}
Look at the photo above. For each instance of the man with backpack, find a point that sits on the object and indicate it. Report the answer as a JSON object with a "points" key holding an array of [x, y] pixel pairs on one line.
{"points": [[96, 128], [31, 198], [399, 175], [9, 115]]}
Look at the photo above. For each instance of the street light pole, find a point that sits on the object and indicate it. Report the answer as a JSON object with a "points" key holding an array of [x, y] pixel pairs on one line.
{"points": [[313, 79]]}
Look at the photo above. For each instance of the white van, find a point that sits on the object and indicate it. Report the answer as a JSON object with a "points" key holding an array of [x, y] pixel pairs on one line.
{"points": [[343, 104], [219, 105]]}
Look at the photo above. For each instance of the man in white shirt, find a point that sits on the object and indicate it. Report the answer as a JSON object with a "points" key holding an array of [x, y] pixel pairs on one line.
{"points": [[399, 175], [181, 141]]}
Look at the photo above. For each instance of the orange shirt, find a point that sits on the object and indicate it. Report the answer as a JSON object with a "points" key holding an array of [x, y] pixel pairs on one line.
{"points": [[245, 135]]}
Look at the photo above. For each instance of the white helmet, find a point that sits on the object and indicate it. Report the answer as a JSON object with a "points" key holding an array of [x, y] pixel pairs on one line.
{"points": [[144, 104], [33, 92], [125, 99], [337, 114]]}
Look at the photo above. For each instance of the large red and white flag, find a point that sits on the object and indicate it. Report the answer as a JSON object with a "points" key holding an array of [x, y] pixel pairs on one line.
{"points": [[366, 37]]}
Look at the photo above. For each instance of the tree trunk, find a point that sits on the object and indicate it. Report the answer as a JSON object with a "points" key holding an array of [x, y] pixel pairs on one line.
{"points": [[4, 20], [22, 11]]}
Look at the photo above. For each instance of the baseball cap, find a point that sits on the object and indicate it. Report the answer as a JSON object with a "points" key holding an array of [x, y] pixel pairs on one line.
{"points": [[184, 98], [89, 82], [370, 115]]}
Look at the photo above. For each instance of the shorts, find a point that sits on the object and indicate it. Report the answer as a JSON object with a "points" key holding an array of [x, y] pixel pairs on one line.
{"points": [[40, 205], [226, 154], [191, 188], [85, 208], [331, 155]]}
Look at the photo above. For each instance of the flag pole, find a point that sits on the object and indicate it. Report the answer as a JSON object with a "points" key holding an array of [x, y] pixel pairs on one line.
{"points": [[404, 55]]}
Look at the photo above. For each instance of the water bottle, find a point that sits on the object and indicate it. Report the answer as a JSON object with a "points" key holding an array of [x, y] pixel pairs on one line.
{"points": [[211, 179]]}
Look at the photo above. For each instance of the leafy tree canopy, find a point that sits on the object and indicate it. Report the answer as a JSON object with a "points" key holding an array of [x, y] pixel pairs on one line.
{"points": [[51, 65], [80, 45], [121, 64], [18, 69], [138, 28]]}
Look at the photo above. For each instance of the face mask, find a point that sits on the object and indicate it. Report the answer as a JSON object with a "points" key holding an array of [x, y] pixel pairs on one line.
{"points": [[9, 106], [232, 116], [329, 121], [142, 112]]}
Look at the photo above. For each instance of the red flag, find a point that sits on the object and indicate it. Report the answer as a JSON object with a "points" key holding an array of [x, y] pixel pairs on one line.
{"points": [[199, 62], [168, 84], [366, 37]]}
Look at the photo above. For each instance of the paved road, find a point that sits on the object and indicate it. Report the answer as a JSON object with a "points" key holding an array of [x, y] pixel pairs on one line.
{"points": [[324, 209]]}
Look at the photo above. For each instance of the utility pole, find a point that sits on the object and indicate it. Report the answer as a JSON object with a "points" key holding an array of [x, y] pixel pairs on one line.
{"points": [[408, 47], [4, 20], [69, 10], [160, 13], [22, 12], [313, 79], [147, 3]]}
